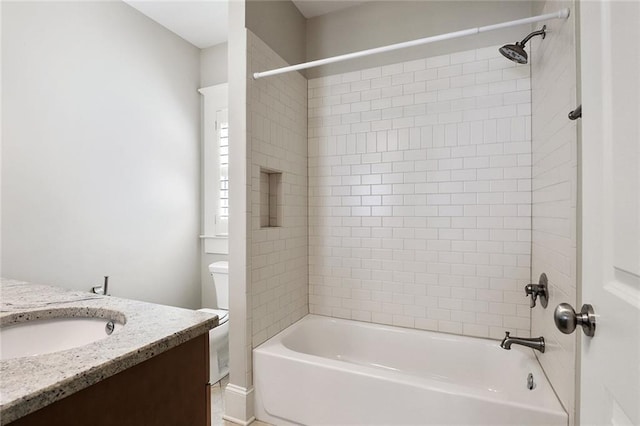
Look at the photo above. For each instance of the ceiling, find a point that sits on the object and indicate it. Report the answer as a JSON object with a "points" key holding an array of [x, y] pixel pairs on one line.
{"points": [[203, 23], [311, 8]]}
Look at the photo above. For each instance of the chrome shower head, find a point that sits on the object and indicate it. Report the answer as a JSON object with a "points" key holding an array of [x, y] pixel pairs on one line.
{"points": [[516, 52]]}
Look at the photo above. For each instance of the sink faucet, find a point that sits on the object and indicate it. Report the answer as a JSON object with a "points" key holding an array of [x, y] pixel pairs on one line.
{"points": [[533, 343], [101, 289]]}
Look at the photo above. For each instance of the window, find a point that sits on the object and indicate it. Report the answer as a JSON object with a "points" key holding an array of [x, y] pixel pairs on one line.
{"points": [[222, 140], [215, 168]]}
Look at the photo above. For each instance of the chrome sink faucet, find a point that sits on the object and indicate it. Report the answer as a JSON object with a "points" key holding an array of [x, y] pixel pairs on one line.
{"points": [[103, 289], [536, 343]]}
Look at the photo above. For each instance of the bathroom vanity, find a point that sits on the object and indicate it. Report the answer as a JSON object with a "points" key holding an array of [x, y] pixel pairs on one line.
{"points": [[150, 367]]}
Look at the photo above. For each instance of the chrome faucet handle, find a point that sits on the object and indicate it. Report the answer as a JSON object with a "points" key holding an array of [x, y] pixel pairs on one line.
{"points": [[506, 338], [538, 290], [530, 290]]}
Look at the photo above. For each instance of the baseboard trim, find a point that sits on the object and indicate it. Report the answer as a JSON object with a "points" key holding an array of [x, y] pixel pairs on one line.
{"points": [[238, 421], [238, 403]]}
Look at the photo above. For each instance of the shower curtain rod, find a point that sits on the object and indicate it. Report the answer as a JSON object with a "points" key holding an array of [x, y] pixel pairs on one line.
{"points": [[561, 14]]}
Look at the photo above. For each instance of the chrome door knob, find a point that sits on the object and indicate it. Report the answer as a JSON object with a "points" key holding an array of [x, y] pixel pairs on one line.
{"points": [[567, 320]]}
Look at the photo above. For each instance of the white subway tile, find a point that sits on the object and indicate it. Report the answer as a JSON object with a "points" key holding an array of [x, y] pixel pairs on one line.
{"points": [[439, 84], [501, 87], [392, 69], [476, 90], [404, 78], [486, 52], [412, 88], [368, 95], [416, 65], [475, 115], [489, 76], [516, 73], [380, 82], [390, 92], [499, 63], [425, 97], [450, 71], [370, 73], [463, 57], [438, 61], [446, 94], [429, 74], [523, 97], [409, 166]]}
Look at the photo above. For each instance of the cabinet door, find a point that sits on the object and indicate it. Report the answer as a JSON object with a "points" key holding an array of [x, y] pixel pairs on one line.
{"points": [[169, 389]]}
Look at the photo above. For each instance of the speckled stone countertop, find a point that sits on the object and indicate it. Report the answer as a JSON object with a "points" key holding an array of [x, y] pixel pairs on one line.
{"points": [[30, 383]]}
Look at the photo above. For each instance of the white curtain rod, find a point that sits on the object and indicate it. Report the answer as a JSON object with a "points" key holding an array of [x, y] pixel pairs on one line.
{"points": [[561, 14]]}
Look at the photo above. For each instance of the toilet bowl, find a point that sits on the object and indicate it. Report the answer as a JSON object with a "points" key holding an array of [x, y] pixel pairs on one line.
{"points": [[219, 336]]}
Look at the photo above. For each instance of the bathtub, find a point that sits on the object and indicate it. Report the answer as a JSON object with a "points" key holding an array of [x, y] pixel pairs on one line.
{"points": [[327, 371]]}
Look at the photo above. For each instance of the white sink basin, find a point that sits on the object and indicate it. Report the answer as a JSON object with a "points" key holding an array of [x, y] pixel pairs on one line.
{"points": [[44, 336]]}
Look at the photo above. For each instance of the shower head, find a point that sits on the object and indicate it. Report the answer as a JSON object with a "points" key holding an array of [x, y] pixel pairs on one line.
{"points": [[516, 52]]}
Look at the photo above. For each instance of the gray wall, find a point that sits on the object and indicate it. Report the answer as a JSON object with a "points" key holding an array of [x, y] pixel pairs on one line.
{"points": [[280, 25], [380, 23], [100, 151]]}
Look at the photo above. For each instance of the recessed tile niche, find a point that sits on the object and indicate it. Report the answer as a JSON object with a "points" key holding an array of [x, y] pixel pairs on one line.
{"points": [[270, 198]]}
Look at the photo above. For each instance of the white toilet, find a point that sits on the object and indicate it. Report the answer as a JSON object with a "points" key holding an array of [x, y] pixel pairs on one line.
{"points": [[219, 336]]}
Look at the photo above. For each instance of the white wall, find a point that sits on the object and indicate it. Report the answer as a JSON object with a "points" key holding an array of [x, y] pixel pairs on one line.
{"points": [[555, 181], [214, 65], [379, 23], [277, 131], [100, 151], [419, 194], [239, 392]]}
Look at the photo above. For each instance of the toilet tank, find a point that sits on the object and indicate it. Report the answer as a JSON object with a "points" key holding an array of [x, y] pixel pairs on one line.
{"points": [[220, 273]]}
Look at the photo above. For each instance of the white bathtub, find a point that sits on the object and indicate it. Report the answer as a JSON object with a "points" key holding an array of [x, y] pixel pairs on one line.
{"points": [[326, 371]]}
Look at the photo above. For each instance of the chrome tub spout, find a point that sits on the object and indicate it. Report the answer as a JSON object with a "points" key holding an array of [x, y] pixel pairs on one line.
{"points": [[536, 343]]}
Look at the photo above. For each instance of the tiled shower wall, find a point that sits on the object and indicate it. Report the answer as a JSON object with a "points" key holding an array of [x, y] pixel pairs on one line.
{"points": [[277, 134], [555, 181], [420, 194]]}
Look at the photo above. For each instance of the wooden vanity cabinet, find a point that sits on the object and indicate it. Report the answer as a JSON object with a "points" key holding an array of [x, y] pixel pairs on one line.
{"points": [[168, 389]]}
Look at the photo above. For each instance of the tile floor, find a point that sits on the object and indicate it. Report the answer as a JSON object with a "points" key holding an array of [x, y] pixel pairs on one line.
{"points": [[217, 405]]}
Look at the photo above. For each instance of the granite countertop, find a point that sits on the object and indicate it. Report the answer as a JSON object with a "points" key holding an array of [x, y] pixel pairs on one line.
{"points": [[30, 383]]}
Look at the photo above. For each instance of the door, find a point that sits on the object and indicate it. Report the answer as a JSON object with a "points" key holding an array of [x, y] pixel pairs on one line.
{"points": [[610, 69]]}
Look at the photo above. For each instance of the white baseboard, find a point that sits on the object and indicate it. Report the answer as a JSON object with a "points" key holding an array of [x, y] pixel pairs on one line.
{"points": [[238, 405]]}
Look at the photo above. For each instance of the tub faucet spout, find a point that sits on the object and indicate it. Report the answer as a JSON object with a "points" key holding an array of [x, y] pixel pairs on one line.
{"points": [[536, 343]]}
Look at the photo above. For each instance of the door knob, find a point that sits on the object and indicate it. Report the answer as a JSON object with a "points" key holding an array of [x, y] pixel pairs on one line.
{"points": [[566, 319]]}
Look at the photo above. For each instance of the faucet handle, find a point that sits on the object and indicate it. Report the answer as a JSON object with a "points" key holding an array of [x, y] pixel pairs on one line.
{"points": [[504, 344], [531, 290], [538, 290]]}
